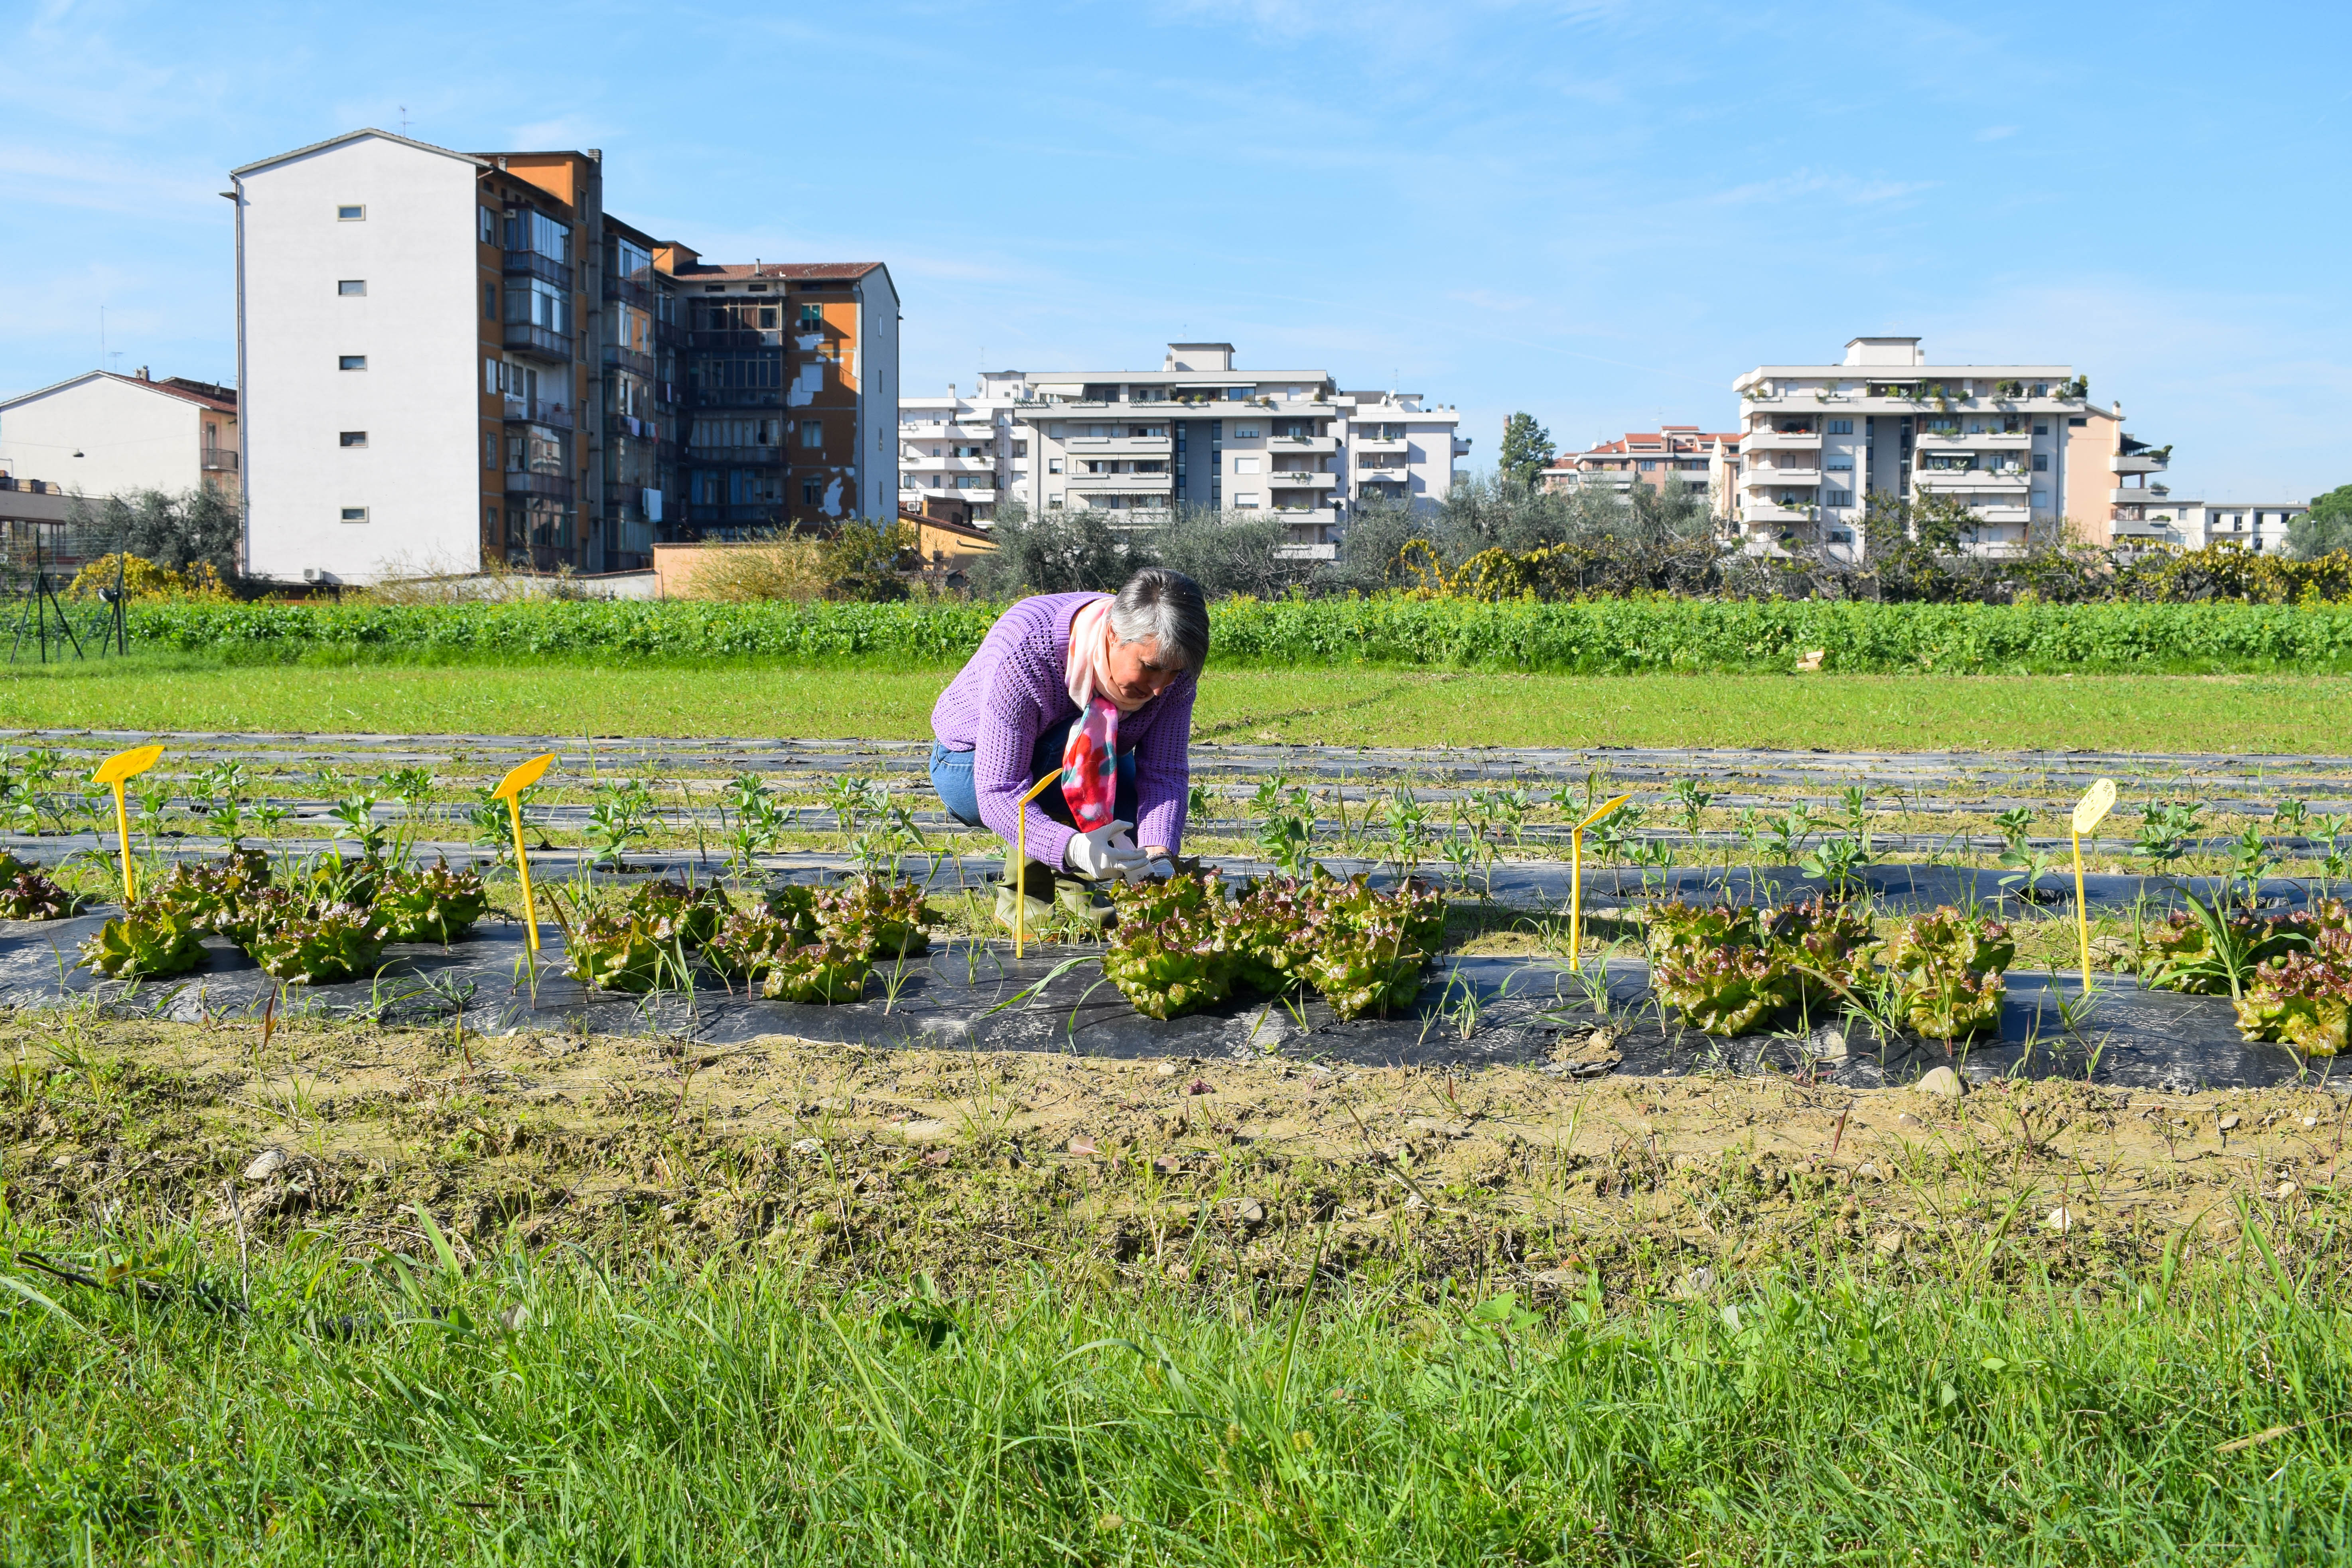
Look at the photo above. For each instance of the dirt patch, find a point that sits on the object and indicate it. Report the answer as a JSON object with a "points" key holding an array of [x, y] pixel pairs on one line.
{"points": [[862, 1161]]}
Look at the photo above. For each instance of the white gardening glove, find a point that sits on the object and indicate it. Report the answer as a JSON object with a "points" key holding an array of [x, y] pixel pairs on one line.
{"points": [[1107, 852]]}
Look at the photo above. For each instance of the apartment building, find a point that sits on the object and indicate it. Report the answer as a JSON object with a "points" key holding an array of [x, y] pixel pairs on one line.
{"points": [[454, 360], [2259, 525], [2020, 444], [957, 454], [1708, 459], [106, 435], [1196, 432]]}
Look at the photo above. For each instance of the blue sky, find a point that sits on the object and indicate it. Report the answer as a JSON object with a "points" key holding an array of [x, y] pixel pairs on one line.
{"points": [[1600, 213]]}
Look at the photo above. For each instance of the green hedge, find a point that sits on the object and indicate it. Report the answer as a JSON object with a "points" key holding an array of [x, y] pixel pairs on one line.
{"points": [[1595, 636]]}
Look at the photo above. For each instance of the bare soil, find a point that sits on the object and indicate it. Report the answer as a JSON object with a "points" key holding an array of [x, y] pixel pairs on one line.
{"points": [[860, 1161]]}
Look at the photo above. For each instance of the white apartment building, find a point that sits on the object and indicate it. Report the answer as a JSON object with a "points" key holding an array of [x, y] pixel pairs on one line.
{"points": [[100, 434], [959, 450], [2258, 526], [2019, 444], [1197, 432]]}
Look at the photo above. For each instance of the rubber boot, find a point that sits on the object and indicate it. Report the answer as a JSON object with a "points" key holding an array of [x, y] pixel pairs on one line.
{"points": [[1039, 891]]}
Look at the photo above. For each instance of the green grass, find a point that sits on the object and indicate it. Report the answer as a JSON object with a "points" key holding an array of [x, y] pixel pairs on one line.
{"points": [[734, 1414], [2216, 714]]}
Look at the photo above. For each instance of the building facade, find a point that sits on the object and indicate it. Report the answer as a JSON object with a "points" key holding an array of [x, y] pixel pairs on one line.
{"points": [[958, 455], [1705, 459], [455, 361], [2259, 525], [2019, 444], [100, 434], [1197, 432]]}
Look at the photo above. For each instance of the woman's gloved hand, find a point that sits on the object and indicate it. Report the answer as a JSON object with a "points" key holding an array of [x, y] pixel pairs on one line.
{"points": [[1107, 852]]}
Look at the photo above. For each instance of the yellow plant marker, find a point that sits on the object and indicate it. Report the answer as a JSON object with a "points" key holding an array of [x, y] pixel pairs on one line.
{"points": [[510, 790], [114, 772], [2089, 811], [1020, 877], [1576, 876]]}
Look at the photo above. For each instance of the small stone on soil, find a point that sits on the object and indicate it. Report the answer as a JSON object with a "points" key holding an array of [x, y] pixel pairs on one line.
{"points": [[1905, 1118], [266, 1164], [2229, 1123], [2061, 1220], [1943, 1081], [1082, 1144]]}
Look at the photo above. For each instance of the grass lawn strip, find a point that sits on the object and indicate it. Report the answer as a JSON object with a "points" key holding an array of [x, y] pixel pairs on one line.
{"points": [[2225, 714]]}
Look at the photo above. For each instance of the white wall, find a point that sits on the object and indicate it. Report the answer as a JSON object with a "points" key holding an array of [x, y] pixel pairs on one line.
{"points": [[419, 477], [132, 438]]}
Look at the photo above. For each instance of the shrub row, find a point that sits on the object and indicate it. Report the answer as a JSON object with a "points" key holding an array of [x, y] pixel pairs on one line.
{"points": [[1598, 635]]}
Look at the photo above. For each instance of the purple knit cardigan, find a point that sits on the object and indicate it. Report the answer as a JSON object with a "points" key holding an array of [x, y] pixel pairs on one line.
{"points": [[1014, 689]]}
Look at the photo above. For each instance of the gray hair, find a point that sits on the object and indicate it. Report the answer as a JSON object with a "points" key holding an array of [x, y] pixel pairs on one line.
{"points": [[1167, 608]]}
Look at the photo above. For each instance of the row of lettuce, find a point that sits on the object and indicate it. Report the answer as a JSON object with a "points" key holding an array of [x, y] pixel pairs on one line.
{"points": [[1595, 636]]}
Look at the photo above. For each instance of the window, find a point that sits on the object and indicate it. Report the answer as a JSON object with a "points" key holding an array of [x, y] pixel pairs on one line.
{"points": [[354, 514], [1245, 465], [535, 231], [489, 231], [489, 452], [1020, 448], [2041, 462], [351, 213], [351, 288], [812, 318], [1841, 427], [811, 493], [1648, 465], [354, 437], [2077, 422], [352, 362], [1246, 433], [1053, 465], [812, 433], [1837, 497], [1053, 502], [767, 318], [489, 301], [2041, 428], [1838, 463], [1247, 500]]}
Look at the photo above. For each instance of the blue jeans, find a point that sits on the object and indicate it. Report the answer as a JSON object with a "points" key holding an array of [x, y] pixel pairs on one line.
{"points": [[952, 776]]}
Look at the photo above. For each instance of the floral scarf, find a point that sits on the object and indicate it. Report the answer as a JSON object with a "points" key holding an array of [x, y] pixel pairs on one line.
{"points": [[1090, 760]]}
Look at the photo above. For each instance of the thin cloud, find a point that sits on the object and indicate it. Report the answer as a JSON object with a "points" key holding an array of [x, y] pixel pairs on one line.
{"points": [[1996, 132]]}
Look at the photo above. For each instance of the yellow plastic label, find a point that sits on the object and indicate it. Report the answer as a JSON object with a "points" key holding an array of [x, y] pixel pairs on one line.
{"points": [[1603, 809], [127, 765], [2095, 805], [523, 777]]}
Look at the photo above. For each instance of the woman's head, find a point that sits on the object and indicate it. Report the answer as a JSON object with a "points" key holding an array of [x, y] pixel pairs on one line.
{"points": [[1159, 629]]}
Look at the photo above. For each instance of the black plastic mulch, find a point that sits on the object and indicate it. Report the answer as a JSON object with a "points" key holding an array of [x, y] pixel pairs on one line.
{"points": [[1472, 1012]]}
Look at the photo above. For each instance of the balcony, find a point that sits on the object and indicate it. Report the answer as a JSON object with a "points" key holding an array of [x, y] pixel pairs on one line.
{"points": [[538, 411], [746, 457], [1777, 479], [1982, 440], [1387, 474], [2140, 495], [2005, 513], [546, 487], [1321, 445], [1462, 446], [1366, 446], [1130, 484], [736, 397], [1303, 481], [924, 463], [2140, 463], [534, 342], [1763, 511], [933, 430], [761, 513], [1292, 509], [531, 264], [1119, 445], [1970, 480], [735, 338], [1781, 441], [217, 460], [629, 359]]}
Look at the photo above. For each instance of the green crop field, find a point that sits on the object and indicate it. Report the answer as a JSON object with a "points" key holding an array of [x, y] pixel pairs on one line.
{"points": [[2276, 713]]}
